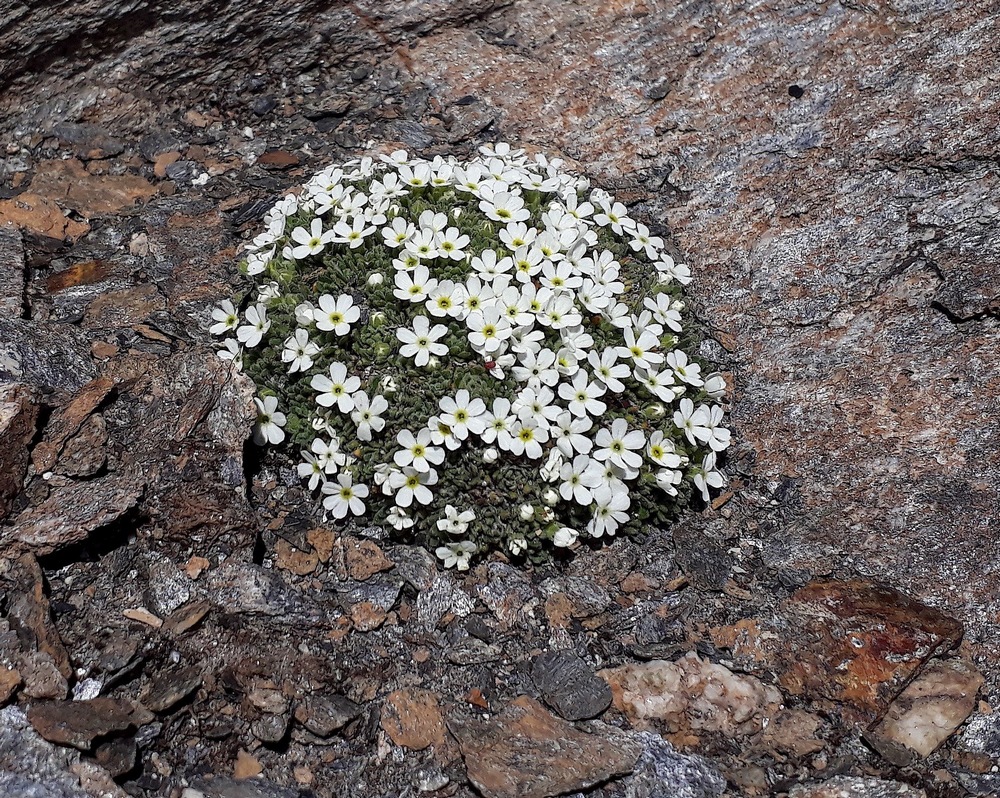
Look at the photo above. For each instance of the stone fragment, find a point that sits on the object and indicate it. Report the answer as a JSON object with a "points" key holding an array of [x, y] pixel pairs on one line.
{"points": [[854, 644], [693, 694], [71, 513], [89, 141], [364, 559], [169, 689], [927, 712], [79, 723], [85, 453], [225, 787], [42, 678], [40, 216], [270, 728], [163, 161], [238, 588], [48, 357], [246, 766], [266, 697], [855, 787], [278, 159], [30, 614], [508, 594], [794, 732], [142, 615], [186, 617], [367, 617], [68, 420], [573, 597], [323, 715], [11, 271], [569, 685], [289, 558], [18, 413], [412, 718], [117, 755], [527, 752], [71, 185], [123, 308], [10, 680], [663, 772]]}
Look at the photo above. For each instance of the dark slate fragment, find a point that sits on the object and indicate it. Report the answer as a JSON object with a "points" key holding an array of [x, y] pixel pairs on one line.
{"points": [[570, 686], [323, 715]]}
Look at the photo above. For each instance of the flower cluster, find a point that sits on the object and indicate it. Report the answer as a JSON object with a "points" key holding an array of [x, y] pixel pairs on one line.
{"points": [[483, 354]]}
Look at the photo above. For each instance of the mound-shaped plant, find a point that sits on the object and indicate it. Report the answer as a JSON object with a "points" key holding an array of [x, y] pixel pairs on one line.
{"points": [[481, 355]]}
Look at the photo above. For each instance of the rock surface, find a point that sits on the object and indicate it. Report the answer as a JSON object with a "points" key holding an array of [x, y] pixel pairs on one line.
{"points": [[526, 752]]}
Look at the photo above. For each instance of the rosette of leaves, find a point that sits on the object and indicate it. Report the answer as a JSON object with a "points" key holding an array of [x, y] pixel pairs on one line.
{"points": [[479, 355]]}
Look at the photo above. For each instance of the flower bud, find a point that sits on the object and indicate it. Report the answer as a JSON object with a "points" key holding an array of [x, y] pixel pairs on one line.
{"points": [[550, 497], [387, 384], [565, 537], [527, 512], [655, 410], [548, 515], [382, 350], [376, 278], [433, 363], [491, 455], [377, 319]]}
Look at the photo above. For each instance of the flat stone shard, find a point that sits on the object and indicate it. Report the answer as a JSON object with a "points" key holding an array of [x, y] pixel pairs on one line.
{"points": [[11, 271], [855, 787], [323, 715], [412, 718], [927, 712], [570, 686], [527, 752], [855, 644], [79, 723], [18, 413]]}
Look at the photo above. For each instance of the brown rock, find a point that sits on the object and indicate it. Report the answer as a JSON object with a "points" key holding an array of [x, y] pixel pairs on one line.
{"points": [[195, 565], [246, 766], [71, 185], [79, 723], [10, 680], [295, 560], [42, 678], [169, 689], [693, 694], [30, 614], [854, 787], [41, 216], [364, 559], [527, 752], [127, 307], [68, 420], [84, 272], [323, 715], [367, 617], [412, 718], [321, 540], [186, 617], [278, 159], [927, 712], [794, 732], [18, 413], [85, 454], [163, 160], [856, 644]]}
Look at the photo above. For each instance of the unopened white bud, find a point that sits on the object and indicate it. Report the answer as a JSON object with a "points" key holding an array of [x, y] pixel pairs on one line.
{"points": [[527, 512], [376, 278], [491, 455], [550, 497]]}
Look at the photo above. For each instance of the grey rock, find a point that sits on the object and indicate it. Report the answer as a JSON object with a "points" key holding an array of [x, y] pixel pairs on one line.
{"points": [[53, 357], [169, 689], [270, 728], [855, 787], [20, 786], [663, 772], [569, 685], [28, 762], [443, 596], [239, 588], [157, 143], [508, 594], [471, 651], [323, 715], [225, 787], [11, 272], [586, 597]]}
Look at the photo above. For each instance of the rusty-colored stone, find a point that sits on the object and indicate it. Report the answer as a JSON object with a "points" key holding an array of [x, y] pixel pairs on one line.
{"points": [[18, 413], [412, 718], [30, 612], [364, 559], [79, 723], [41, 216], [527, 752], [857, 644], [71, 185]]}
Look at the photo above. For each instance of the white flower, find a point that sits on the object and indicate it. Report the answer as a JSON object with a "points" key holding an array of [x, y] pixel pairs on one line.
{"points": [[490, 455], [664, 312], [662, 451], [457, 555], [410, 484], [499, 422], [344, 495], [526, 438], [706, 476], [422, 244], [304, 314], [489, 329], [312, 469], [269, 422], [517, 234], [668, 481], [420, 342], [488, 267], [550, 471], [619, 445], [583, 395], [517, 545], [579, 479], [413, 286], [537, 368], [719, 437], [231, 350], [643, 241], [442, 434], [639, 348], [686, 371], [368, 414], [226, 317], [454, 522], [337, 389], [353, 234], [608, 370], [526, 512], [536, 404], [336, 315], [388, 384], [312, 241], [257, 324], [452, 243], [299, 351], [609, 511], [694, 423], [565, 537], [268, 292], [658, 383], [463, 414], [614, 214], [328, 454], [399, 518], [398, 233], [503, 207], [446, 299], [417, 451], [568, 434]]}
